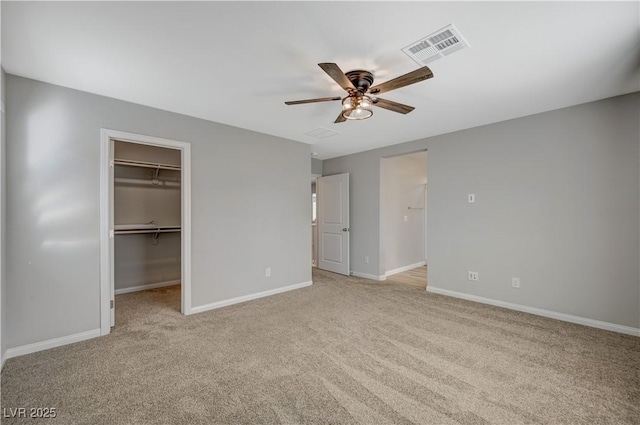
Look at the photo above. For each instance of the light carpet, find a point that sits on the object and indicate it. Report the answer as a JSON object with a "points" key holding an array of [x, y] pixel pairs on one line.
{"points": [[343, 351]]}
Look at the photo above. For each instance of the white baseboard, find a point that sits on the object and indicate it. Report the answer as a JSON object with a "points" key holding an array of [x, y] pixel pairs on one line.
{"points": [[237, 300], [147, 286], [540, 312], [51, 343], [404, 269], [368, 276], [4, 359]]}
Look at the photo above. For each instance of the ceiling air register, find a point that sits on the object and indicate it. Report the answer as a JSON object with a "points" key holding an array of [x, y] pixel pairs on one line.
{"points": [[437, 45]]}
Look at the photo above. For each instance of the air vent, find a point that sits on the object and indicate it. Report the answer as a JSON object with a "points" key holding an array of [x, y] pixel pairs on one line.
{"points": [[321, 133], [437, 45]]}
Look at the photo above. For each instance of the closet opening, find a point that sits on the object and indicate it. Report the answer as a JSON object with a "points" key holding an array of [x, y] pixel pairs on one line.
{"points": [[146, 215], [147, 188]]}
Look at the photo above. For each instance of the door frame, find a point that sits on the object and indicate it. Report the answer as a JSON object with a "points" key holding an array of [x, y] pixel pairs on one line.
{"points": [[314, 253], [107, 136]]}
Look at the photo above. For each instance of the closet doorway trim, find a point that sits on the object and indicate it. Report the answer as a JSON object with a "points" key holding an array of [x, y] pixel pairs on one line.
{"points": [[106, 206]]}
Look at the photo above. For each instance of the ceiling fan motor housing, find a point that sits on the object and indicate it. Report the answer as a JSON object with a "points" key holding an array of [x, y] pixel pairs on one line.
{"points": [[361, 79]]}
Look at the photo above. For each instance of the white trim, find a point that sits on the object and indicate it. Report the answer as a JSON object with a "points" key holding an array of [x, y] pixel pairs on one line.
{"points": [[186, 229], [51, 343], [368, 276], [106, 263], [404, 269], [539, 312], [147, 286], [237, 300], [4, 359], [105, 245]]}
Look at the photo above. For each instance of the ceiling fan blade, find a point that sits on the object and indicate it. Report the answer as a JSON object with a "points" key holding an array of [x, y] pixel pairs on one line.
{"points": [[320, 99], [338, 76], [394, 106], [413, 77], [340, 118]]}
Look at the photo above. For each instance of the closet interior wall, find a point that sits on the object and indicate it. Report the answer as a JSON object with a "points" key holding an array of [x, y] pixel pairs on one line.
{"points": [[146, 197]]}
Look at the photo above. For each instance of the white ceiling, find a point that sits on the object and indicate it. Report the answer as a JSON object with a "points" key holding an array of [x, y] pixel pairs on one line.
{"points": [[236, 63]]}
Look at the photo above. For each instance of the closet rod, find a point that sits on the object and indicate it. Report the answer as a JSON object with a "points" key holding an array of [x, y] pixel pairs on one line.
{"points": [[144, 164]]}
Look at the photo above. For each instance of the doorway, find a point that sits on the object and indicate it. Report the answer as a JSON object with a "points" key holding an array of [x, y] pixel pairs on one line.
{"points": [[403, 215], [133, 224]]}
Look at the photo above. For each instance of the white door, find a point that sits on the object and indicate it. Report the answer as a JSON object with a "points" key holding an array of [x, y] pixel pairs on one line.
{"points": [[333, 223]]}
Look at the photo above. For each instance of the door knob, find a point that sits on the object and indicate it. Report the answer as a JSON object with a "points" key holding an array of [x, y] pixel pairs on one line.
{"points": [[346, 229]]}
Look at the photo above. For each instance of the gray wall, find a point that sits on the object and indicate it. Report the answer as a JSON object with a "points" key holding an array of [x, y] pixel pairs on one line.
{"points": [[316, 166], [403, 179], [250, 206], [557, 204]]}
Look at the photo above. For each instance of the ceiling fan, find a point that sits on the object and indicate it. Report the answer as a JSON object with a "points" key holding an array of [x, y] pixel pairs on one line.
{"points": [[357, 105]]}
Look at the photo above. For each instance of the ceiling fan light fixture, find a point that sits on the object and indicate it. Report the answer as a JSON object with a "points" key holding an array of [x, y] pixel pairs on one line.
{"points": [[357, 107], [361, 96]]}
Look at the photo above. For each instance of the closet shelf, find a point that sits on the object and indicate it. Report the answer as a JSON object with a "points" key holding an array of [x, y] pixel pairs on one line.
{"points": [[128, 229], [144, 164]]}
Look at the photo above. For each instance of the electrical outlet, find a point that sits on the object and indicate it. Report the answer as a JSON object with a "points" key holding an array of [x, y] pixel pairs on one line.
{"points": [[515, 282], [473, 276], [406, 218], [471, 198], [267, 272], [366, 259]]}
